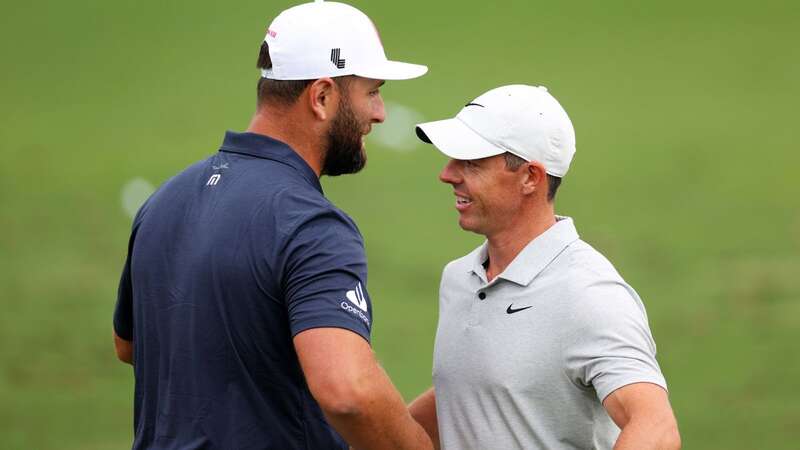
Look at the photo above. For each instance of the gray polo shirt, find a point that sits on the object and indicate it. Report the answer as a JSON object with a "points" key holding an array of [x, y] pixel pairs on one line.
{"points": [[524, 362]]}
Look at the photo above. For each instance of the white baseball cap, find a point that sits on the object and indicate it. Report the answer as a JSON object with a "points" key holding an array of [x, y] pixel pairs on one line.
{"points": [[330, 39], [524, 120]]}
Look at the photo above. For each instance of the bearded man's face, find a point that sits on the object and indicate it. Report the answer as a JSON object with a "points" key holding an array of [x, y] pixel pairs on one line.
{"points": [[345, 147], [360, 106]]}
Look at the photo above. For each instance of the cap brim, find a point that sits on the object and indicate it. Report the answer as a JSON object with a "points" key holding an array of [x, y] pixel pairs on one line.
{"points": [[456, 140], [393, 70]]}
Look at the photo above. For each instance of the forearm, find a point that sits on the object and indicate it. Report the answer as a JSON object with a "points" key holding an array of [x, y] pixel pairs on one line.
{"points": [[124, 349], [423, 410], [354, 392], [646, 435], [643, 412], [377, 418]]}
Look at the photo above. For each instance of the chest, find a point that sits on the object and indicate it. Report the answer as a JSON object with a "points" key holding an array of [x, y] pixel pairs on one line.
{"points": [[499, 337]]}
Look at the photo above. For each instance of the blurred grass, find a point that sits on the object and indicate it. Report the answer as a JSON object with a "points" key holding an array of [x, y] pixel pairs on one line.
{"points": [[684, 178]]}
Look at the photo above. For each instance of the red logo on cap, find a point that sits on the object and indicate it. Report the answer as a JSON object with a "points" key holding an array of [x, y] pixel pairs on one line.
{"points": [[271, 33]]}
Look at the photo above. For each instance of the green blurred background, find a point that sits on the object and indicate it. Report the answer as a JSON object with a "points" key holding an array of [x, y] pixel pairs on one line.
{"points": [[685, 177]]}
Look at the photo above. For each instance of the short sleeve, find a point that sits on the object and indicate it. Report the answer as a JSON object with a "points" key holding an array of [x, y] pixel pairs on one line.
{"points": [[610, 344], [123, 311], [325, 279]]}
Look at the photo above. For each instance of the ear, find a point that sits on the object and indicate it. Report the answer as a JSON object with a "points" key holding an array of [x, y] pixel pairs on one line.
{"points": [[535, 178], [323, 98]]}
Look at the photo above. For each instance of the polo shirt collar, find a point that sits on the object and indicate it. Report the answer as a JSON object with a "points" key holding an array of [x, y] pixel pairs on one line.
{"points": [[534, 257], [478, 257], [265, 147]]}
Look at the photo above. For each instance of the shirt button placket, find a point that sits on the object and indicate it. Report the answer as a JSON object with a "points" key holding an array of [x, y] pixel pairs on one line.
{"points": [[475, 310]]}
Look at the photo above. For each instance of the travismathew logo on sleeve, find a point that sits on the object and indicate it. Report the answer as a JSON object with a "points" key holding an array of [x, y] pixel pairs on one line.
{"points": [[356, 297], [335, 59]]}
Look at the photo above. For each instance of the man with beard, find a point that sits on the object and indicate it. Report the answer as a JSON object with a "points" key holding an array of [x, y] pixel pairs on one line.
{"points": [[243, 302]]}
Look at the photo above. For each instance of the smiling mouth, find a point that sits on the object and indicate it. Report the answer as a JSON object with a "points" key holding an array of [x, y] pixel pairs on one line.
{"points": [[462, 202]]}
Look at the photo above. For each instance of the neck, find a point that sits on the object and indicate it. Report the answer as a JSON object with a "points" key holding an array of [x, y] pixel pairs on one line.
{"points": [[504, 245], [288, 125]]}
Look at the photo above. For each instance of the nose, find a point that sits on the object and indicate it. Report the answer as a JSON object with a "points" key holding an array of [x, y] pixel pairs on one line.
{"points": [[378, 110], [450, 173]]}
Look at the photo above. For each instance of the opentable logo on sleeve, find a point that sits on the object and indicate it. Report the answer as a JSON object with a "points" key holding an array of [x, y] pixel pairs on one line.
{"points": [[356, 297]]}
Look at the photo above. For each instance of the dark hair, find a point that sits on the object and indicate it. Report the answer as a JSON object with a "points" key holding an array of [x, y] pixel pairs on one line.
{"points": [[514, 162], [284, 92]]}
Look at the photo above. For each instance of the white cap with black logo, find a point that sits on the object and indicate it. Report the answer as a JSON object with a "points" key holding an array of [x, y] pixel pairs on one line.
{"points": [[524, 120], [330, 39]]}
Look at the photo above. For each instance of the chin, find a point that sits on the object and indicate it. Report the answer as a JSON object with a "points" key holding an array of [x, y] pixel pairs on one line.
{"points": [[471, 226], [466, 226]]}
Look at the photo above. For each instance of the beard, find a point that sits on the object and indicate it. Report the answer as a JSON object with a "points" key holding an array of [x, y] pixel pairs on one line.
{"points": [[345, 149]]}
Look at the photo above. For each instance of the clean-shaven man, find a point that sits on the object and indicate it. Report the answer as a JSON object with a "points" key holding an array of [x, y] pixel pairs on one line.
{"points": [[243, 304], [540, 343]]}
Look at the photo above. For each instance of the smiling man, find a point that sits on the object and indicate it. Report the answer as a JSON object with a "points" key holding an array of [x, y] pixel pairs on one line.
{"points": [[540, 343], [243, 303]]}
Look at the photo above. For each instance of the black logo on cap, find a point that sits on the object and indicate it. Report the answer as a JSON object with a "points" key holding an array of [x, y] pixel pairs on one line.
{"points": [[474, 104], [338, 62]]}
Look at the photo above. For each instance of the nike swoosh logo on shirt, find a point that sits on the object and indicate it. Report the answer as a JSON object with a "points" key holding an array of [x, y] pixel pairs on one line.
{"points": [[511, 310]]}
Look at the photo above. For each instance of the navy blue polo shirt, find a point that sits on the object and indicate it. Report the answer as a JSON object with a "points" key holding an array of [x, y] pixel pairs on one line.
{"points": [[228, 261]]}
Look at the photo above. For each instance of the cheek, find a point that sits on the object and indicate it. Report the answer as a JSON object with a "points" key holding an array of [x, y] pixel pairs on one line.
{"points": [[363, 105], [500, 197], [362, 113]]}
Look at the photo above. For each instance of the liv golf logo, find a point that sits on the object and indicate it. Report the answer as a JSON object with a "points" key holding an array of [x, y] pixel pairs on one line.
{"points": [[335, 58]]}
